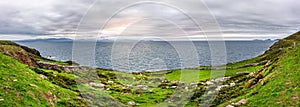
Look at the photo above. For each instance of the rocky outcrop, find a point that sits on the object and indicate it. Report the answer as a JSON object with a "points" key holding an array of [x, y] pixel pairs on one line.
{"points": [[50, 66], [27, 49], [19, 54], [26, 56], [31, 51]]}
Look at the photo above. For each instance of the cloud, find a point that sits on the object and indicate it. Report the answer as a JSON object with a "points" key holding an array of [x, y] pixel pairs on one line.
{"points": [[59, 18], [35, 17], [258, 16]]}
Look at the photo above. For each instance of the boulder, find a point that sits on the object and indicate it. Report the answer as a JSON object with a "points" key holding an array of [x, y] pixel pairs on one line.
{"points": [[43, 76], [132, 103], [97, 85], [241, 102]]}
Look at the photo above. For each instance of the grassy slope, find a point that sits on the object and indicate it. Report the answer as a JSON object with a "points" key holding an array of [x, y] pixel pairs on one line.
{"points": [[21, 86], [271, 85], [283, 84], [279, 85], [282, 87]]}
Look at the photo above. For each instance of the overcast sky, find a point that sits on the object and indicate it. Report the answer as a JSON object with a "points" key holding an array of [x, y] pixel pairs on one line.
{"points": [[238, 19]]}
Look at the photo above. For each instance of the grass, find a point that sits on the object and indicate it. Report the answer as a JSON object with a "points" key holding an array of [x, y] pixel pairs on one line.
{"points": [[206, 74], [282, 88], [279, 85], [274, 81], [20, 86]]}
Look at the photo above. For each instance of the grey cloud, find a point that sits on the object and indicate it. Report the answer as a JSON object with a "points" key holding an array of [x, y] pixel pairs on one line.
{"points": [[244, 17], [40, 17]]}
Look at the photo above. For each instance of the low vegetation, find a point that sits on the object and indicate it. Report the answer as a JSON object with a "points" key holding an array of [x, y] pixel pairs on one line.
{"points": [[271, 79]]}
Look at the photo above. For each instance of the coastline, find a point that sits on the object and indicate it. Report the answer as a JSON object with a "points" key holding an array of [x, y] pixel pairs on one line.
{"points": [[244, 83]]}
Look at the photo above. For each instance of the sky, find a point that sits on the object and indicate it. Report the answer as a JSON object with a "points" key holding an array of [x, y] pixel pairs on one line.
{"points": [[236, 19]]}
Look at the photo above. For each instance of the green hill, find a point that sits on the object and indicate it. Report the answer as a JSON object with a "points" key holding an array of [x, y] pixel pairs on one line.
{"points": [[271, 79]]}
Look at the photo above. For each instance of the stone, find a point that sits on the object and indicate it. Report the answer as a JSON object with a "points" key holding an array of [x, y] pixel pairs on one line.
{"points": [[186, 88], [50, 66], [132, 103], [229, 106], [209, 83], [110, 82], [163, 80], [1, 99], [194, 84], [99, 85], [43, 76], [232, 84], [129, 85], [220, 87], [181, 83], [32, 85], [144, 89], [241, 102], [252, 74], [221, 79]]}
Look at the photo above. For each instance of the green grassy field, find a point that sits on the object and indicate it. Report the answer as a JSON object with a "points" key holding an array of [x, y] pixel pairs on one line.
{"points": [[271, 79]]}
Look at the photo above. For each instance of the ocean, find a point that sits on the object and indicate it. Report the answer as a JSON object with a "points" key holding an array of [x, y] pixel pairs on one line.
{"points": [[148, 55]]}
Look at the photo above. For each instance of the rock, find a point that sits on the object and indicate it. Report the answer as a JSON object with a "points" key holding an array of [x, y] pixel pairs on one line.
{"points": [[186, 88], [220, 87], [175, 83], [241, 102], [263, 62], [15, 80], [181, 84], [30, 50], [43, 76], [132, 103], [222, 79], [232, 84], [194, 84], [1, 99], [229, 106], [144, 89], [99, 85], [110, 82], [32, 85], [209, 83], [252, 74], [20, 55], [163, 80], [50, 66], [129, 85], [53, 96], [250, 82], [259, 76]]}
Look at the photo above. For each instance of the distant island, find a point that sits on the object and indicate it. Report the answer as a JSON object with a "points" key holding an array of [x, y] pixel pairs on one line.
{"points": [[46, 39]]}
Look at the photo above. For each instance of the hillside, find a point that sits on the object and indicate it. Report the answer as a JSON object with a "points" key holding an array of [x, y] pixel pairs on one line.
{"points": [[271, 79]]}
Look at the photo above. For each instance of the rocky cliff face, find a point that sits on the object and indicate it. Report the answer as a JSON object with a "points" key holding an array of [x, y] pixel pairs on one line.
{"points": [[27, 56], [50, 66], [19, 54]]}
